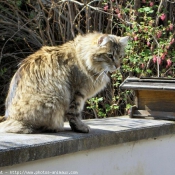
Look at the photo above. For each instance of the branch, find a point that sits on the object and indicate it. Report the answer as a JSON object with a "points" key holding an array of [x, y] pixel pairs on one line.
{"points": [[70, 16], [158, 11], [79, 3], [82, 4]]}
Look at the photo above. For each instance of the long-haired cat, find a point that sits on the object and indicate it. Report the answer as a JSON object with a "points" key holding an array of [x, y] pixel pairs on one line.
{"points": [[54, 83]]}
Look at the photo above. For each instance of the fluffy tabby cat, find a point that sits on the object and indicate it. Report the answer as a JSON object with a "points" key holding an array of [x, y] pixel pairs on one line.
{"points": [[54, 83]]}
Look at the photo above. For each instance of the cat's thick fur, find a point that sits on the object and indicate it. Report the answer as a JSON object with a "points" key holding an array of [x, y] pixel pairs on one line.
{"points": [[54, 83]]}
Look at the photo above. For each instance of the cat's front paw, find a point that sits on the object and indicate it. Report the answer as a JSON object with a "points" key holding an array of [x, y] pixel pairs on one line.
{"points": [[79, 126], [84, 129]]}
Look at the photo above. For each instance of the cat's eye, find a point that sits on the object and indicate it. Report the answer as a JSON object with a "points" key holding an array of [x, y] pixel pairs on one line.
{"points": [[110, 56]]}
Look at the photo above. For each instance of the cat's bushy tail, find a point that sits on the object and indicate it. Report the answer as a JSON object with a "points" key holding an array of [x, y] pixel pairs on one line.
{"points": [[13, 126]]}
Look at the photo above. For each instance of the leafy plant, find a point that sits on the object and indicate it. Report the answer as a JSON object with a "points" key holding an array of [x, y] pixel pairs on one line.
{"points": [[151, 50], [25, 26]]}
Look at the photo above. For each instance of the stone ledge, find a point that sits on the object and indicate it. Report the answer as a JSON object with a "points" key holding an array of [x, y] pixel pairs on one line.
{"points": [[20, 148]]}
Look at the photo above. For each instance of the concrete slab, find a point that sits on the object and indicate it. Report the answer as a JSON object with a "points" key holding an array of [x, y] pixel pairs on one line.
{"points": [[19, 148]]}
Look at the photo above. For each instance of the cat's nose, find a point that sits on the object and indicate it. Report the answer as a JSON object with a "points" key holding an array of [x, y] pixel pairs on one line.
{"points": [[113, 68], [117, 64]]}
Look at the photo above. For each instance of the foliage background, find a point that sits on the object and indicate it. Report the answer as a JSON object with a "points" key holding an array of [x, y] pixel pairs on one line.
{"points": [[27, 25]]}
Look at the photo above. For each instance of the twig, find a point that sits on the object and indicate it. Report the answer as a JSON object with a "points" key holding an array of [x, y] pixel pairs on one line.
{"points": [[169, 69], [158, 11], [11, 38], [158, 71], [70, 16]]}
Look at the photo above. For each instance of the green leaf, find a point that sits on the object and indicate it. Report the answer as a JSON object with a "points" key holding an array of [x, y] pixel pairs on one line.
{"points": [[100, 99], [138, 70], [149, 71]]}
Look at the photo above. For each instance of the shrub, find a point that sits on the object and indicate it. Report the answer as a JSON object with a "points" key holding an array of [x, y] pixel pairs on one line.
{"points": [[25, 26], [151, 50]]}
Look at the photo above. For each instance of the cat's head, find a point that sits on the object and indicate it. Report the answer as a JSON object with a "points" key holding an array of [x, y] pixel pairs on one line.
{"points": [[111, 50], [104, 52]]}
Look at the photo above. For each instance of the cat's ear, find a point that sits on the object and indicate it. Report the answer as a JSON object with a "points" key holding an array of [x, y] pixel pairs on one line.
{"points": [[124, 40], [103, 40]]}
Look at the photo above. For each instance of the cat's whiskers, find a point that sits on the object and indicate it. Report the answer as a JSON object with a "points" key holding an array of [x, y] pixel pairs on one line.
{"points": [[100, 75]]}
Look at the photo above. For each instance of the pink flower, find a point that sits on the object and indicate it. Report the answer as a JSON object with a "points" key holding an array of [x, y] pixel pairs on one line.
{"points": [[163, 55], [144, 1], [172, 41], [106, 8], [117, 10], [159, 60], [162, 16], [148, 43], [169, 62], [171, 27], [135, 38], [167, 47], [119, 15], [159, 34], [142, 65], [151, 3], [154, 58]]}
